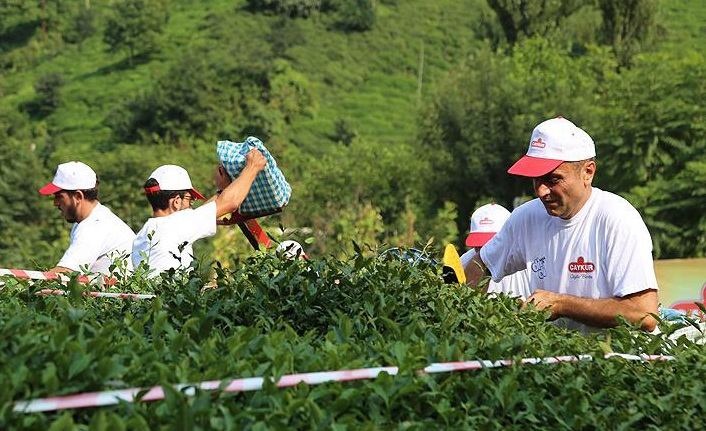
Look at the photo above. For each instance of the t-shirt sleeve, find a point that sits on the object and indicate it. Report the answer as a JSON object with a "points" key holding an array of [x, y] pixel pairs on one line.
{"points": [[503, 254], [84, 249], [198, 223], [467, 257], [629, 264]]}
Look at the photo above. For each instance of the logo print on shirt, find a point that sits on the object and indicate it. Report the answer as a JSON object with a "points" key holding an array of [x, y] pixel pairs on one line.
{"points": [[581, 266], [486, 221], [539, 268], [538, 143]]}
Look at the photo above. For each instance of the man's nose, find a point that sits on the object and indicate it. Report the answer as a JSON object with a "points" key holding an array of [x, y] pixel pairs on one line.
{"points": [[540, 189]]}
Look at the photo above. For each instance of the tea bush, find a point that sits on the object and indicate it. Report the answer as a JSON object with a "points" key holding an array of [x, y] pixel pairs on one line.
{"points": [[269, 317]]}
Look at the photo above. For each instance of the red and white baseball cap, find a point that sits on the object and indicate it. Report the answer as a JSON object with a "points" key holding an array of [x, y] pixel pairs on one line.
{"points": [[486, 221], [71, 176], [553, 142], [172, 178]]}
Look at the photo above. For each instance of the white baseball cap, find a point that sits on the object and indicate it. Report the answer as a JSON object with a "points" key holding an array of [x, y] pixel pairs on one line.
{"points": [[291, 249], [172, 178], [71, 176], [486, 221], [553, 142]]}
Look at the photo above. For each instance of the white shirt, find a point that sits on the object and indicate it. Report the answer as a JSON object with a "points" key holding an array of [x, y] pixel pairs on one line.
{"points": [[517, 284], [96, 241], [168, 233], [604, 251]]}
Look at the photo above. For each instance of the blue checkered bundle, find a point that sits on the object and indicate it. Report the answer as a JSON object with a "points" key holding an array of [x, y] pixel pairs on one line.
{"points": [[270, 191]]}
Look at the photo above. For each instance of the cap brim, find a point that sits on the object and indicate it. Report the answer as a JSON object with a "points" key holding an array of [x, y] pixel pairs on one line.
{"points": [[195, 194], [478, 239], [50, 189], [533, 167]]}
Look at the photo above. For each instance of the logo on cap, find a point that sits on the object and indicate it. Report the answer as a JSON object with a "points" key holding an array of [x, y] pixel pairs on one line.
{"points": [[486, 221], [581, 266], [538, 143]]}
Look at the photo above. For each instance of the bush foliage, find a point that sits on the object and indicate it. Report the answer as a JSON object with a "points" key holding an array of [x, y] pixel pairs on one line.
{"points": [[270, 317]]}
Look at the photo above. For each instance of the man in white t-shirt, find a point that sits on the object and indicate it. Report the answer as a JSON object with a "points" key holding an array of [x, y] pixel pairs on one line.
{"points": [[486, 221], [588, 253], [98, 236], [166, 240]]}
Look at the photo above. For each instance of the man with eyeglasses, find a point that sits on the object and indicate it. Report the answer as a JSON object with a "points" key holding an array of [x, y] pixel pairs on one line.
{"points": [[166, 240], [98, 237]]}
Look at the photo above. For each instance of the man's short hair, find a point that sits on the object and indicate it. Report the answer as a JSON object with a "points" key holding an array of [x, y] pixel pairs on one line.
{"points": [[578, 165], [90, 195], [160, 200]]}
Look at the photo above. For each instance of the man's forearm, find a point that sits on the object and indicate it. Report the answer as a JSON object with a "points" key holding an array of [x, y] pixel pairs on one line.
{"points": [[475, 271], [59, 269], [603, 312], [232, 196]]}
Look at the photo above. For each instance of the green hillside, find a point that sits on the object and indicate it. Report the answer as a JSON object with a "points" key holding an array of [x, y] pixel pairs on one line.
{"points": [[368, 151], [367, 78]]}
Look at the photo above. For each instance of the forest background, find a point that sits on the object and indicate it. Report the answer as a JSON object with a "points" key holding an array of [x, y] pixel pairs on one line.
{"points": [[392, 119]]}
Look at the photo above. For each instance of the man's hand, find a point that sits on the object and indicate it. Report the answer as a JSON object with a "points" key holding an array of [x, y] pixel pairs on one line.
{"points": [[545, 300], [235, 193], [602, 313], [255, 160]]}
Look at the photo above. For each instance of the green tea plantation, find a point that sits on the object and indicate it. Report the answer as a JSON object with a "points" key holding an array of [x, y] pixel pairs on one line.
{"points": [[270, 317]]}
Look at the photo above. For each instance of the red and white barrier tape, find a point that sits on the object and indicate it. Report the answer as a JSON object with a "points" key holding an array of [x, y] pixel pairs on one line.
{"points": [[106, 398], [98, 294], [38, 275], [41, 275]]}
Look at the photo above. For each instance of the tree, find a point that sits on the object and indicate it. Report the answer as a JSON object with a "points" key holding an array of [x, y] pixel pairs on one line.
{"points": [[650, 124], [284, 34], [136, 26], [344, 132], [673, 211], [15, 13], [357, 15], [293, 8], [481, 119], [48, 87], [33, 231], [532, 17], [627, 26], [183, 102], [83, 26]]}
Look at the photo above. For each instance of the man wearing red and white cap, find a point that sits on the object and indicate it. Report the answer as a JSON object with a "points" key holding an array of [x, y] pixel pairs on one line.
{"points": [[486, 221], [166, 240], [98, 237], [587, 251]]}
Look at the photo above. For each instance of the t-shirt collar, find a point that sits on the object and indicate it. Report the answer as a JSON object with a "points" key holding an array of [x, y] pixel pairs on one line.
{"points": [[581, 215]]}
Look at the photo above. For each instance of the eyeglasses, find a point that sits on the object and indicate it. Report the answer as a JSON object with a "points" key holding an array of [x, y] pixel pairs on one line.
{"points": [[188, 198]]}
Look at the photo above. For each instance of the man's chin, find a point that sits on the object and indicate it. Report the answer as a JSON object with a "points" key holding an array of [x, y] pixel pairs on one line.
{"points": [[70, 218], [552, 210]]}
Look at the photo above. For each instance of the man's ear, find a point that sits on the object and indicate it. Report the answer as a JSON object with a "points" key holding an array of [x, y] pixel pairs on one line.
{"points": [[589, 171], [173, 203], [79, 196]]}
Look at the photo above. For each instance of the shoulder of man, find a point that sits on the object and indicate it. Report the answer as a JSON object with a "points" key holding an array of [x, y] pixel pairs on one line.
{"points": [[102, 215], [528, 212], [190, 215], [616, 208]]}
